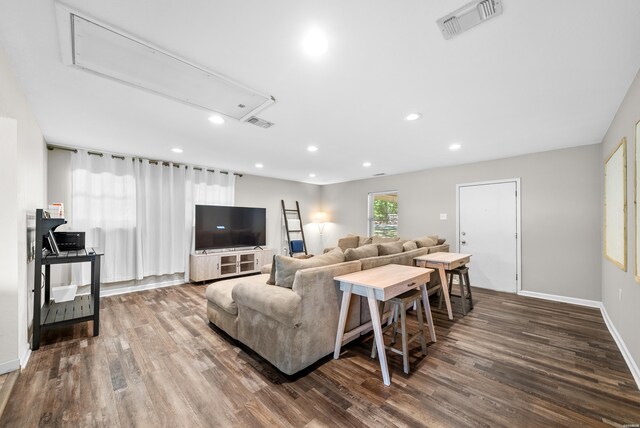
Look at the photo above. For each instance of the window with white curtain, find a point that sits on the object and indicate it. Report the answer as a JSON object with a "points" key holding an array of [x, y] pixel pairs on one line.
{"points": [[139, 213]]}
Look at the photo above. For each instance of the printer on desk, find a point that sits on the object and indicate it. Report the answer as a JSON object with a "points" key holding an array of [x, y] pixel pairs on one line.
{"points": [[69, 241]]}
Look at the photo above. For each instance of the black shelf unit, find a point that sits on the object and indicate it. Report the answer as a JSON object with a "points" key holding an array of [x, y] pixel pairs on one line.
{"points": [[52, 314]]}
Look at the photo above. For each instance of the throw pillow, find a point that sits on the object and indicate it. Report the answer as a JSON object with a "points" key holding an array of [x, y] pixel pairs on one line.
{"points": [[409, 246], [441, 241], [348, 242], [369, 250], [286, 267], [272, 276], [382, 239], [390, 248], [427, 241], [364, 240]]}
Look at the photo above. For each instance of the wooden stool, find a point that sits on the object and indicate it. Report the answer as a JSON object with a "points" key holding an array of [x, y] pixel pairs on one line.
{"points": [[463, 280], [400, 304]]}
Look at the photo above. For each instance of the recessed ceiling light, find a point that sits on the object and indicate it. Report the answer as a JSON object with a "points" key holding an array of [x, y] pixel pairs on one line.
{"points": [[312, 175], [315, 42], [218, 120], [366, 164], [312, 148], [455, 146], [259, 165], [177, 150], [413, 116]]}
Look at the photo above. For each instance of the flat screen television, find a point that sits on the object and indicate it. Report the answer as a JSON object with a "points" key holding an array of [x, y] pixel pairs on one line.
{"points": [[229, 227]]}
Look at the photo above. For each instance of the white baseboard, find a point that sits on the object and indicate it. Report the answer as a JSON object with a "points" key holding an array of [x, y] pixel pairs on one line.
{"points": [[24, 359], [133, 288], [9, 366], [633, 367], [556, 298]]}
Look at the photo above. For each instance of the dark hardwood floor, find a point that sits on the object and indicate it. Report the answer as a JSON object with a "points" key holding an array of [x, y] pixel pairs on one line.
{"points": [[512, 361]]}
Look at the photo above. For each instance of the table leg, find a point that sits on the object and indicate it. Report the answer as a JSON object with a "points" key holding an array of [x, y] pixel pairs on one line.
{"points": [[445, 289], [427, 311], [377, 332], [342, 321]]}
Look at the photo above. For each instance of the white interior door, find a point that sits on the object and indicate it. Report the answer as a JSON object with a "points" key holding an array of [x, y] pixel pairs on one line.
{"points": [[487, 229]]}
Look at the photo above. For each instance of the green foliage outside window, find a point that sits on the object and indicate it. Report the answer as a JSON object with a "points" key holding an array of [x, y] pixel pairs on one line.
{"points": [[385, 218]]}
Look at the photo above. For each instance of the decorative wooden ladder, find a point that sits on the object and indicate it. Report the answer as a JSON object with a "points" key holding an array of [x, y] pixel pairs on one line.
{"points": [[294, 246]]}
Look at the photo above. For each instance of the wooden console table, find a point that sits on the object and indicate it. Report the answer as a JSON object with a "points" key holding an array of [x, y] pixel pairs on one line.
{"points": [[380, 284], [443, 262]]}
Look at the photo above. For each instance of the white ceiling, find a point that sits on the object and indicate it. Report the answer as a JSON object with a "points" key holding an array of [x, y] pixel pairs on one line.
{"points": [[544, 75]]}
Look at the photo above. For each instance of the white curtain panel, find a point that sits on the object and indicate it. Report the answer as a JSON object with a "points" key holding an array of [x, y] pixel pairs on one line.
{"points": [[140, 214], [160, 233], [104, 207], [204, 188]]}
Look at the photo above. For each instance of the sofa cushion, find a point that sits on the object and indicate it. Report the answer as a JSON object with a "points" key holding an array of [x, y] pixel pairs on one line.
{"points": [[286, 267], [278, 303], [390, 248], [409, 245], [350, 241], [404, 258], [369, 250], [441, 241], [219, 293], [382, 239], [427, 241]]}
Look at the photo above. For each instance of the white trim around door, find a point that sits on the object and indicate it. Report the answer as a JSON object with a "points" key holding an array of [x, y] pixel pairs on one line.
{"points": [[518, 222]]}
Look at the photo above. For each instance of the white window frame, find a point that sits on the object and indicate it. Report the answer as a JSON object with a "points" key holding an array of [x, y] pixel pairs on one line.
{"points": [[370, 199]]}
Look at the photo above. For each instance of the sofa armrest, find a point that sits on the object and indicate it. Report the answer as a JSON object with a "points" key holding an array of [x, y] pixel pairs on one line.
{"points": [[279, 303]]}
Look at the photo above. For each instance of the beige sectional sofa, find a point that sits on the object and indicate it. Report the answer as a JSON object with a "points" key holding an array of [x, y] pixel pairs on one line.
{"points": [[294, 327]]}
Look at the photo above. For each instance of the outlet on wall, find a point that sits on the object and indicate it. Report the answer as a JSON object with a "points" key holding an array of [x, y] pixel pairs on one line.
{"points": [[443, 216]]}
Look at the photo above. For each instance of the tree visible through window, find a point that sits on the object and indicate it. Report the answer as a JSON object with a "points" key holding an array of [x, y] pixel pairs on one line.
{"points": [[383, 214]]}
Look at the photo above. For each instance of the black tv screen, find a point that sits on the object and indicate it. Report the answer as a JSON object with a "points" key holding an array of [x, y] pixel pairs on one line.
{"points": [[228, 227]]}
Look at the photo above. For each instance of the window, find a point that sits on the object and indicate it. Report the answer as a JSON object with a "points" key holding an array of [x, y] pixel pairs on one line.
{"points": [[383, 214]]}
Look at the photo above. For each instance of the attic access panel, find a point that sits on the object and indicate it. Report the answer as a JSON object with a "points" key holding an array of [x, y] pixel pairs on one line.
{"points": [[103, 51]]}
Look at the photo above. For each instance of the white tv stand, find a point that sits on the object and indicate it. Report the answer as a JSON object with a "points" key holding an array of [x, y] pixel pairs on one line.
{"points": [[216, 264]]}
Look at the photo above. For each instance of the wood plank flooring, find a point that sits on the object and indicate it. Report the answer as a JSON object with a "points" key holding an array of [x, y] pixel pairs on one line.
{"points": [[512, 361]]}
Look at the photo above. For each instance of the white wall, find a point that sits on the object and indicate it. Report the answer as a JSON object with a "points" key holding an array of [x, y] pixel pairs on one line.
{"points": [[22, 189], [560, 194], [620, 292]]}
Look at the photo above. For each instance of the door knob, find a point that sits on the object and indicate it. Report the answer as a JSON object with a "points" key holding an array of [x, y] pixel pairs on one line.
{"points": [[464, 242], [464, 233]]}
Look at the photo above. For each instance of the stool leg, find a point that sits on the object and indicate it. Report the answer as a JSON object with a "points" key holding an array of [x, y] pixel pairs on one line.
{"points": [[396, 308], [440, 298], [463, 299], [423, 341], [374, 349], [405, 352], [466, 278]]}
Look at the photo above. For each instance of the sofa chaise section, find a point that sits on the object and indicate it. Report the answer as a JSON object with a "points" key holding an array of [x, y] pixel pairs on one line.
{"points": [[293, 328]]}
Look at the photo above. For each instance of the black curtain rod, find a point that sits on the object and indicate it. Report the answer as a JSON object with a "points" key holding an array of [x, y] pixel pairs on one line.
{"points": [[154, 162]]}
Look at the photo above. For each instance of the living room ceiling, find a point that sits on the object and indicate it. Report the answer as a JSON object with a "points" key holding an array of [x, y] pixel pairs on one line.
{"points": [[543, 75]]}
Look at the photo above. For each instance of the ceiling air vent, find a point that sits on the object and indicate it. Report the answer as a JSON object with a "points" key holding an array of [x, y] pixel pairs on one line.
{"points": [[380, 174], [469, 16], [260, 122], [103, 50]]}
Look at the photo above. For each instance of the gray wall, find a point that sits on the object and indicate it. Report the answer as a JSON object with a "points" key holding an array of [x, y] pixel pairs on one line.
{"points": [[623, 309], [560, 195], [22, 189], [254, 191]]}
